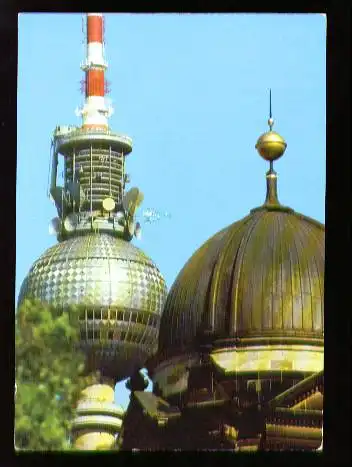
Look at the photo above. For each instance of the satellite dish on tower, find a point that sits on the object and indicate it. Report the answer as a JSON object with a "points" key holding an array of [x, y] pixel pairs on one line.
{"points": [[57, 193], [76, 192], [119, 215], [54, 226], [131, 228], [70, 223], [138, 231], [132, 199], [120, 218], [108, 204]]}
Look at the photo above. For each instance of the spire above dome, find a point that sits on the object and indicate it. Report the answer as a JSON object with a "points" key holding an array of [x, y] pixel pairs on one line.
{"points": [[258, 280], [271, 146]]}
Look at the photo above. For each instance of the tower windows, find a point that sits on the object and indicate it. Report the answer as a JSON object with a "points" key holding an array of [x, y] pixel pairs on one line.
{"points": [[82, 315], [134, 317], [90, 314], [119, 315]]}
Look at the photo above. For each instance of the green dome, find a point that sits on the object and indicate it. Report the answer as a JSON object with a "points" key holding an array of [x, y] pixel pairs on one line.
{"points": [[260, 278]]}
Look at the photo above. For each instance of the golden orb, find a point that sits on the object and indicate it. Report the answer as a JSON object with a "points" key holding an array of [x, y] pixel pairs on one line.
{"points": [[271, 146]]}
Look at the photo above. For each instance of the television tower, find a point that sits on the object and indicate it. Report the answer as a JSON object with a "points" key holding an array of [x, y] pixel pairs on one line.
{"points": [[118, 291]]}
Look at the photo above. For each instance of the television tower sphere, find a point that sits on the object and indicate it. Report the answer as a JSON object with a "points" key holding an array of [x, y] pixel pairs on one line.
{"points": [[119, 294], [94, 270], [94, 273]]}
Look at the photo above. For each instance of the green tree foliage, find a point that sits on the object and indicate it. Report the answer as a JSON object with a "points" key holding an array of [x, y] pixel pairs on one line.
{"points": [[50, 374]]}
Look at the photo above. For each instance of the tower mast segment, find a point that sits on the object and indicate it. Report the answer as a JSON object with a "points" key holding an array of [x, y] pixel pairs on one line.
{"points": [[95, 112]]}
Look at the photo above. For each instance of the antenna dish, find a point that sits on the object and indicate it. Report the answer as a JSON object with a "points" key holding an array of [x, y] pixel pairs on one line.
{"points": [[119, 215], [131, 228], [120, 219], [70, 223], [76, 192], [54, 226], [138, 231], [108, 204], [58, 196], [132, 199]]}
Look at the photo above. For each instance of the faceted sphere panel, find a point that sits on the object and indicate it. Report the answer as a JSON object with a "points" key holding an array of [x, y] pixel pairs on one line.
{"points": [[119, 288]]}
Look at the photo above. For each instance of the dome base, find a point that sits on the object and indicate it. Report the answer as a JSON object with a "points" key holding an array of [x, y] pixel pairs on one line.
{"points": [[270, 359]]}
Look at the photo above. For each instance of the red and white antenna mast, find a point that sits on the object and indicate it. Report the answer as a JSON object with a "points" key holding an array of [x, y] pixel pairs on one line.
{"points": [[95, 111]]}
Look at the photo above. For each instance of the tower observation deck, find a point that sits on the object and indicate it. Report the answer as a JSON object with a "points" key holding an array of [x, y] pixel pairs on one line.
{"points": [[94, 156]]}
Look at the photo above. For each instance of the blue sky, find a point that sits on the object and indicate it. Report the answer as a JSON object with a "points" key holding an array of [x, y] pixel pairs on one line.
{"points": [[192, 92]]}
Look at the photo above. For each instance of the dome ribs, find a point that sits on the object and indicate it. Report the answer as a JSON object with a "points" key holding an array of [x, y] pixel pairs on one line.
{"points": [[306, 243], [296, 275], [318, 279], [198, 300], [307, 290], [263, 275], [221, 281], [208, 315], [277, 297], [185, 307], [260, 280], [287, 272]]}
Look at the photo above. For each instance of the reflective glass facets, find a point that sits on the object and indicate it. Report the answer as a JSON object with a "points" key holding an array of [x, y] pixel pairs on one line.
{"points": [[118, 289]]}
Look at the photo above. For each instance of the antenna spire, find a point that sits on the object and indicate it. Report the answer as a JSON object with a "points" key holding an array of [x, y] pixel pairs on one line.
{"points": [[271, 120], [95, 111]]}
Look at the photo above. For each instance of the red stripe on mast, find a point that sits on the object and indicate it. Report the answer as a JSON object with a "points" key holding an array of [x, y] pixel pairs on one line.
{"points": [[95, 83], [94, 29]]}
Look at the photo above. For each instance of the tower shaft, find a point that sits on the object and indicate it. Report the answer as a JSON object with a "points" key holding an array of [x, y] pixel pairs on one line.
{"points": [[98, 419]]}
